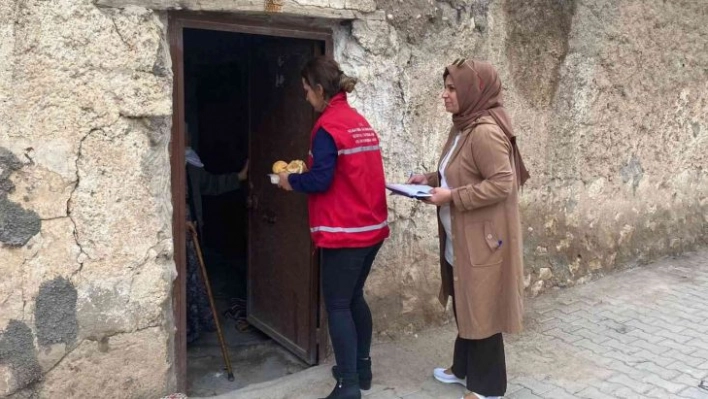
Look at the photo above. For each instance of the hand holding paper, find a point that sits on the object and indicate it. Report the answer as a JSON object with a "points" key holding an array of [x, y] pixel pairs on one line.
{"points": [[439, 196]]}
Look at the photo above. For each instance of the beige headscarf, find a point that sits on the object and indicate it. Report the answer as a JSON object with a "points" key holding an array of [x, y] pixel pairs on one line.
{"points": [[479, 94]]}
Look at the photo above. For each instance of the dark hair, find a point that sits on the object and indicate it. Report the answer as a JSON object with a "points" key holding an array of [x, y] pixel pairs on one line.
{"points": [[325, 71]]}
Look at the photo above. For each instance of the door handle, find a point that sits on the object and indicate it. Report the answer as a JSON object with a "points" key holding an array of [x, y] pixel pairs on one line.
{"points": [[269, 217], [252, 202]]}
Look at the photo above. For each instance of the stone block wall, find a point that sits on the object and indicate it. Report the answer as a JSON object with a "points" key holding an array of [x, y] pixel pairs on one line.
{"points": [[85, 203]]}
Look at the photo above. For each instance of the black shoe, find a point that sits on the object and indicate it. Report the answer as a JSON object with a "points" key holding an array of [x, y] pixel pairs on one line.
{"points": [[347, 388], [363, 368]]}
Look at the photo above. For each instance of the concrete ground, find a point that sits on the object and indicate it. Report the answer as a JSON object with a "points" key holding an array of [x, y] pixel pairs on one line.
{"points": [[255, 358], [640, 333]]}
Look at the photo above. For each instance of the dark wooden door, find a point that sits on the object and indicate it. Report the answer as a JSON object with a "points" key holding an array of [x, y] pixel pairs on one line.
{"points": [[283, 275]]}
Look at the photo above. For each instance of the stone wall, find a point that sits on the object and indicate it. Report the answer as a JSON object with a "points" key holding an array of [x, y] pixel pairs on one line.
{"points": [[85, 213], [609, 99]]}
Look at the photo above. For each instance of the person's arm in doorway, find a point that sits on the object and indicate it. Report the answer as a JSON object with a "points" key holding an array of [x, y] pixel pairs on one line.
{"points": [[213, 184], [324, 162]]}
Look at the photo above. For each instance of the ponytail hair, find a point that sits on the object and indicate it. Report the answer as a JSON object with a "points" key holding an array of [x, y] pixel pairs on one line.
{"points": [[347, 83], [325, 71]]}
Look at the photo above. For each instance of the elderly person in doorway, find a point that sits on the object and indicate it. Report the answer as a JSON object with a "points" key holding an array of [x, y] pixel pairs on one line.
{"points": [[476, 192], [200, 182]]}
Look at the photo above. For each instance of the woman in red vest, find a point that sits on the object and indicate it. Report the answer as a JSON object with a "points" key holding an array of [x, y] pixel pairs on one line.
{"points": [[348, 216]]}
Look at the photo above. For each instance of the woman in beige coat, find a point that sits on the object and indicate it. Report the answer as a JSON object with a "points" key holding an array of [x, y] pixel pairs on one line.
{"points": [[476, 191]]}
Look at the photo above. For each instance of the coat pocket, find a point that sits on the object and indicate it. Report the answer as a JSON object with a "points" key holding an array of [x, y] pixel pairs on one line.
{"points": [[483, 244]]}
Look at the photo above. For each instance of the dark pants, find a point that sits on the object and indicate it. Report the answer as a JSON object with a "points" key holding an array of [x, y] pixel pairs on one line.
{"points": [[344, 273], [482, 362]]}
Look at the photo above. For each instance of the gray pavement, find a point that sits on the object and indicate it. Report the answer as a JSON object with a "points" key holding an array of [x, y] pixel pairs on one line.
{"points": [[639, 333]]}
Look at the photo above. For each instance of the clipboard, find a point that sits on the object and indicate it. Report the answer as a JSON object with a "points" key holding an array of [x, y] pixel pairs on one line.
{"points": [[416, 191]]}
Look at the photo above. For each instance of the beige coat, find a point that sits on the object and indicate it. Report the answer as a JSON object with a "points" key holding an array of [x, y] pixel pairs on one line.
{"points": [[486, 237]]}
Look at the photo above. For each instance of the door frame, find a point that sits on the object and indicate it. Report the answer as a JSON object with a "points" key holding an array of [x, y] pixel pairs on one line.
{"points": [[177, 22]]}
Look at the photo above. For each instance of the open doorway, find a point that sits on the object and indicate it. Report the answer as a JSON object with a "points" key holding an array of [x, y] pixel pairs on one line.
{"points": [[238, 97]]}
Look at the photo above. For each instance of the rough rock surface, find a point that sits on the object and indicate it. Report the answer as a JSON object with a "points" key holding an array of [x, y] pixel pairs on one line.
{"points": [[609, 99], [85, 109]]}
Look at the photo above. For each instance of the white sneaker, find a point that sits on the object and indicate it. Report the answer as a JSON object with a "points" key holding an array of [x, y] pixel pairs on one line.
{"points": [[445, 378], [483, 397]]}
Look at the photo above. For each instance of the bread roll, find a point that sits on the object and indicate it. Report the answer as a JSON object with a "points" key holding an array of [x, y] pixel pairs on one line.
{"points": [[280, 167], [296, 166]]}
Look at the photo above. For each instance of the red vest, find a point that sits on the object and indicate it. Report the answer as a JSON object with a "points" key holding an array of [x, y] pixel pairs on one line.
{"points": [[353, 212]]}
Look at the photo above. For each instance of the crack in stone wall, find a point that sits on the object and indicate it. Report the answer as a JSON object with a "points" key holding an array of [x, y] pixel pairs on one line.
{"points": [[82, 254]]}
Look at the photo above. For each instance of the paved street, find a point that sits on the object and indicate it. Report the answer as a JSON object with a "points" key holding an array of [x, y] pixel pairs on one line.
{"points": [[640, 333]]}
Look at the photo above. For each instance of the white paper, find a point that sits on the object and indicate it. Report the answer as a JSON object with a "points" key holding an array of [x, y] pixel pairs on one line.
{"points": [[411, 190]]}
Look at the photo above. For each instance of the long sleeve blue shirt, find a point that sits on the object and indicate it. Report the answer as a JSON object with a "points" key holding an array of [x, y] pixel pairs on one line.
{"points": [[319, 178]]}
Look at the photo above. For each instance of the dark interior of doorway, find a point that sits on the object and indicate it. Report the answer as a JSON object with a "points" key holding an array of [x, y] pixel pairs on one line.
{"points": [[217, 99]]}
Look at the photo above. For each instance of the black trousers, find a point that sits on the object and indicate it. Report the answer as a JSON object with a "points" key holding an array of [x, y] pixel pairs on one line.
{"points": [[344, 273], [482, 362]]}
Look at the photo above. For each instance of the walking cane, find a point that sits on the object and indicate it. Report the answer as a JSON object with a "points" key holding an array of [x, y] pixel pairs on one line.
{"points": [[205, 277]]}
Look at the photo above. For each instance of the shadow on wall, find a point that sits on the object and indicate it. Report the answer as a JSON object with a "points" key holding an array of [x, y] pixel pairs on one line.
{"points": [[55, 307], [56, 323], [18, 354], [55, 320], [17, 225], [536, 45]]}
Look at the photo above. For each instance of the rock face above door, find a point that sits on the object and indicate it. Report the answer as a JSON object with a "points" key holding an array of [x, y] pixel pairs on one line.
{"points": [[613, 127], [337, 9]]}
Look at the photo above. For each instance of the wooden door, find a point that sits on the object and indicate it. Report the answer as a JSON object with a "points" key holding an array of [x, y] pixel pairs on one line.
{"points": [[283, 277]]}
